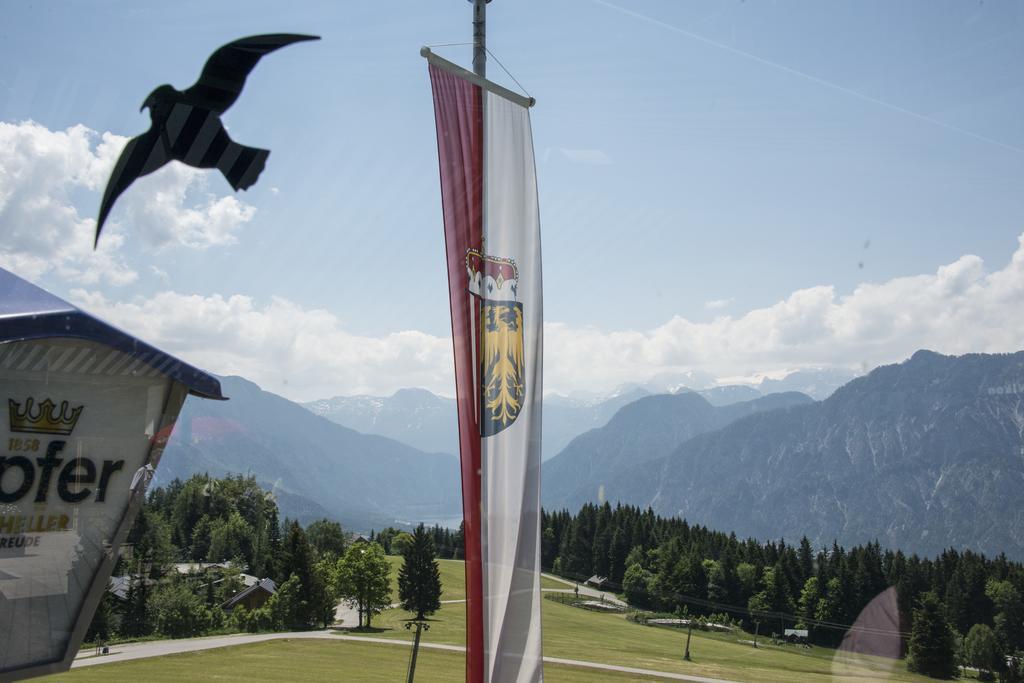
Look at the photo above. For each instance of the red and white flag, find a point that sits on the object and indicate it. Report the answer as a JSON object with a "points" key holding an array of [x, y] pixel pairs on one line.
{"points": [[492, 236]]}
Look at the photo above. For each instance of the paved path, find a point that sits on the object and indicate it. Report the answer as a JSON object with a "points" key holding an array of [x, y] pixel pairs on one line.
{"points": [[349, 616], [158, 648], [346, 616]]}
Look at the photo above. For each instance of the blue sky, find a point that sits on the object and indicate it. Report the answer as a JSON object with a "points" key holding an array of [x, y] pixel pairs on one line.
{"points": [[737, 187]]}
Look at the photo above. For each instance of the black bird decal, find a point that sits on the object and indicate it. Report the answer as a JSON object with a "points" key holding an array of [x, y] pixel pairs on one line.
{"points": [[186, 125]]}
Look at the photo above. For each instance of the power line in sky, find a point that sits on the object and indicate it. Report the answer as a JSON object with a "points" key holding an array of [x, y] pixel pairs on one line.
{"points": [[785, 616], [809, 77]]}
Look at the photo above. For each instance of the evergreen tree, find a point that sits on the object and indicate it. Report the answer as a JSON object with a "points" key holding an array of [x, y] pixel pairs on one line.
{"points": [[932, 646], [730, 582], [868, 579], [269, 562], [101, 627], [459, 542], [136, 618], [296, 555], [189, 506], [580, 551], [806, 559], [150, 538], [548, 547], [297, 561], [419, 579], [617, 550]]}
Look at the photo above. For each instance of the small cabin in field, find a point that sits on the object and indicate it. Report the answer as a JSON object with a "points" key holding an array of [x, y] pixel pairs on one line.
{"points": [[598, 582], [795, 635]]}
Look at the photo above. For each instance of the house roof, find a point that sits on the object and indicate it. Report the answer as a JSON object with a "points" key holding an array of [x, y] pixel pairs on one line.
{"points": [[28, 312], [266, 585], [118, 586]]}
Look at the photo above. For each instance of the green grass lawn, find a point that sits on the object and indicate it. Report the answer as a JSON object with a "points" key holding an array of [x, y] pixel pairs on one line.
{"points": [[569, 633], [574, 633], [453, 579], [306, 660]]}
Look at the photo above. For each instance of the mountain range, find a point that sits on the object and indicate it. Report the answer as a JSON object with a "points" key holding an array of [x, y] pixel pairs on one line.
{"points": [[428, 422], [649, 428], [921, 456], [314, 467]]}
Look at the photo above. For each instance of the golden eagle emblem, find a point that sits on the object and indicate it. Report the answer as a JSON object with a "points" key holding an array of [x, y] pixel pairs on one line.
{"points": [[493, 285]]}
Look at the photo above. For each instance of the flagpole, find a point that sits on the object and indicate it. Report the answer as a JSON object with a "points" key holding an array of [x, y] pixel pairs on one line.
{"points": [[479, 37], [475, 658]]}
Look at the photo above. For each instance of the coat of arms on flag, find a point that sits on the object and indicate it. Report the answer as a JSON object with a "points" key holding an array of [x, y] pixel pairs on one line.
{"points": [[493, 286], [492, 240]]}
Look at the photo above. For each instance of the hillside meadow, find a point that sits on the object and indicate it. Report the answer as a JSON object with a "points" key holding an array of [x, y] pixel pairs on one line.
{"points": [[569, 633]]}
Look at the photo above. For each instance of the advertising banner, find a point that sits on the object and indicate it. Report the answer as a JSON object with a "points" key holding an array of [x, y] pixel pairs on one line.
{"points": [[82, 428], [492, 237]]}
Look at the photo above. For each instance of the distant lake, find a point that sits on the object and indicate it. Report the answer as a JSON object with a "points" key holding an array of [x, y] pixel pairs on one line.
{"points": [[443, 522]]}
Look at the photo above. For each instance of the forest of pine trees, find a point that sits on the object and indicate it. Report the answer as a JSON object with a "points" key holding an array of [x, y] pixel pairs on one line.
{"points": [[668, 565]]}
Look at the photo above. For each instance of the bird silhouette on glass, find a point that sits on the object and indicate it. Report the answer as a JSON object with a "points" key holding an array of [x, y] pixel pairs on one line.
{"points": [[186, 125]]}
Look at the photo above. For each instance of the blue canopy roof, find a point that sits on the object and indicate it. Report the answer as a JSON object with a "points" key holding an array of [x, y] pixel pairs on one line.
{"points": [[28, 312]]}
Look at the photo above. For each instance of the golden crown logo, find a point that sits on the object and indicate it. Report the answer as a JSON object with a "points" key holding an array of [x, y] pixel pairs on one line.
{"points": [[45, 420]]}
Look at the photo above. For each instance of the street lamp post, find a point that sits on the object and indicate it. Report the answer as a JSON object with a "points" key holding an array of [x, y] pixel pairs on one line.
{"points": [[420, 626]]}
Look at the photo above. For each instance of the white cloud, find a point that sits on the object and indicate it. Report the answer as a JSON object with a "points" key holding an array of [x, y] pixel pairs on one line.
{"points": [[307, 354], [42, 230], [160, 273], [156, 207], [717, 304], [300, 353], [960, 308], [41, 171]]}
